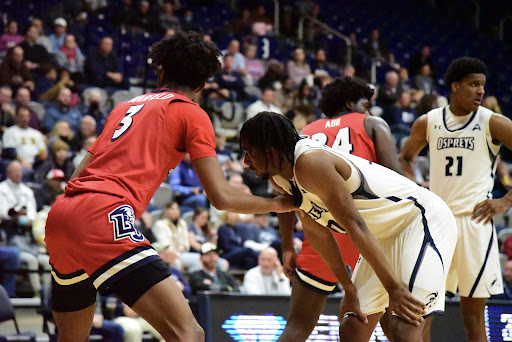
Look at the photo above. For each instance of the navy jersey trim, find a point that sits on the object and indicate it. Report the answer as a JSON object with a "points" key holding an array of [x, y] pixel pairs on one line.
{"points": [[363, 190], [427, 240], [489, 246], [458, 129]]}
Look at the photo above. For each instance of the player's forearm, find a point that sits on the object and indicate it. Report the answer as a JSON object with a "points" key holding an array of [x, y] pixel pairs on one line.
{"points": [[286, 228], [81, 166], [407, 166]]}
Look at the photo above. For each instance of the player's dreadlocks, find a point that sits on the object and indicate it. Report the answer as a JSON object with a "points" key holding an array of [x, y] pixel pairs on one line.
{"points": [[461, 67], [267, 130], [336, 94], [186, 59]]}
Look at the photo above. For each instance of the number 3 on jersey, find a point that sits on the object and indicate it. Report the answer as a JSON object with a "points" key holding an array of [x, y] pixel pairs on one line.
{"points": [[127, 121], [341, 142]]}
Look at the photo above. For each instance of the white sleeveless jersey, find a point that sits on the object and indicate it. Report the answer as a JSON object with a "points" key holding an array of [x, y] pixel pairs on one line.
{"points": [[462, 161], [386, 201]]}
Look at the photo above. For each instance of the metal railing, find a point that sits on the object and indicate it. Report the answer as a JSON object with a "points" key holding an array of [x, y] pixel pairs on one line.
{"points": [[329, 29], [276, 17]]}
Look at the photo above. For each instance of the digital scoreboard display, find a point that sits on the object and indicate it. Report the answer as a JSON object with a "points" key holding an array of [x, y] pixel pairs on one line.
{"points": [[263, 318]]}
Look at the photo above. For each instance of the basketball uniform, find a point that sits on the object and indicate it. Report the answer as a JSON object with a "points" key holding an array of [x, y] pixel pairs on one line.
{"points": [[414, 227], [90, 231], [462, 167], [345, 133]]}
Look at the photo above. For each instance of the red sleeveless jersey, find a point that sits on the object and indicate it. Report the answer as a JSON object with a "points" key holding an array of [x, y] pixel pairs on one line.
{"points": [[345, 133], [142, 141]]}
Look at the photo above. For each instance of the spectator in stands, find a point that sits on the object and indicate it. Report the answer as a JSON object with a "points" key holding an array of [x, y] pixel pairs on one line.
{"points": [[421, 58], [61, 131], [268, 277], [389, 92], [210, 278], [273, 76], [42, 39], [230, 83], [231, 244], [242, 24], [102, 66], [7, 112], [198, 232], [60, 27], [64, 81], [238, 59], [9, 261], [124, 14], [424, 80], [297, 68], [491, 102], [145, 20], [10, 38], [53, 186], [46, 79], [70, 57], [86, 145], [62, 110], [404, 84], [283, 97], [108, 330], [401, 117], [13, 71], [87, 129], [507, 282], [320, 66], [224, 154], [376, 49], [261, 23], [59, 159], [23, 99], [35, 54], [265, 103], [187, 187], [304, 97], [265, 234], [17, 211], [426, 104], [24, 143], [188, 23], [167, 18], [349, 71], [253, 65], [93, 110]]}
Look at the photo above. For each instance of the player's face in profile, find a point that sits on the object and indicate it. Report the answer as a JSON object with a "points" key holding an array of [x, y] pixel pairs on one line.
{"points": [[471, 91], [256, 160]]}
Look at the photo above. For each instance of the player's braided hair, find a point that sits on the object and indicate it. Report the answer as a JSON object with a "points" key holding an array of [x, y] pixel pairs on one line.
{"points": [[336, 94], [268, 129], [186, 58], [461, 67]]}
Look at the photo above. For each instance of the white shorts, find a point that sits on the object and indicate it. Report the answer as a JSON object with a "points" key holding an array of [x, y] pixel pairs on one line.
{"points": [[476, 266], [420, 255]]}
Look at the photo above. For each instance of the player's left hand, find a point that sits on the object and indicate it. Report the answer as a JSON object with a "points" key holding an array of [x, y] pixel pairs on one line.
{"points": [[486, 210], [349, 306], [285, 203]]}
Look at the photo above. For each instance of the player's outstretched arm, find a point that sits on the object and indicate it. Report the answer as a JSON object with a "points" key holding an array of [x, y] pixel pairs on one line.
{"points": [[333, 191], [417, 140], [224, 197], [385, 148], [500, 127]]}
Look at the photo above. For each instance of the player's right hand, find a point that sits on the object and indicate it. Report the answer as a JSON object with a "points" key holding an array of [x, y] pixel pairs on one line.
{"points": [[405, 306], [349, 306], [289, 260], [284, 204]]}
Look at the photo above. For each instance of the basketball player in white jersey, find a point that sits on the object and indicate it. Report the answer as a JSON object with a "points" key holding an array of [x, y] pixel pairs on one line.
{"points": [[464, 139], [405, 233]]}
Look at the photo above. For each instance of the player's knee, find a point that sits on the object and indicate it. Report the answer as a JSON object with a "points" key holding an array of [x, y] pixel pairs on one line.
{"points": [[190, 333]]}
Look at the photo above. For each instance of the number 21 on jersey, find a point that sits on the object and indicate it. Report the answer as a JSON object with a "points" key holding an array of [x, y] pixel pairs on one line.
{"points": [[127, 121], [341, 142]]}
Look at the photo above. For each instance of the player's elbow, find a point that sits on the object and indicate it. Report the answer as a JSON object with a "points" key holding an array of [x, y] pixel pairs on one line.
{"points": [[220, 201]]}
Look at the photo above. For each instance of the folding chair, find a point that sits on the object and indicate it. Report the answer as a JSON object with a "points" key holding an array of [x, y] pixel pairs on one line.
{"points": [[7, 314]]}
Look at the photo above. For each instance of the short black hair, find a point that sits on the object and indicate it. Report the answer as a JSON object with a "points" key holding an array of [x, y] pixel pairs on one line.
{"points": [[268, 129], [336, 94], [186, 59], [461, 67]]}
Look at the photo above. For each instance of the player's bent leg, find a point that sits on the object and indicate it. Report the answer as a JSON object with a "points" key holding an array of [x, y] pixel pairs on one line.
{"points": [[74, 326], [474, 320], [353, 330], [401, 331], [306, 305], [426, 328]]}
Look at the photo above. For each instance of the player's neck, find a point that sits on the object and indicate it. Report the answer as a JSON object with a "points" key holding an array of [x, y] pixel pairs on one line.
{"points": [[458, 110], [184, 90]]}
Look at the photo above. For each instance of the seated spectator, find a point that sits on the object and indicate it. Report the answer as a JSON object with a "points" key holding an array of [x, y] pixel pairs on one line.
{"points": [[63, 81], [7, 112], [93, 110], [491, 102], [210, 278], [70, 57], [304, 96], [424, 80], [389, 92], [253, 65], [273, 77], [320, 66], [404, 84], [61, 131], [265, 234], [297, 68], [102, 66], [58, 159], [261, 23], [268, 277], [507, 282], [23, 99], [145, 20], [9, 261], [53, 186], [87, 129], [167, 18], [264, 104], [62, 110], [376, 49], [189, 24], [60, 27], [123, 15], [187, 187], [198, 232], [43, 39], [238, 59], [402, 117], [419, 59], [349, 71], [283, 97], [231, 245], [86, 145], [13, 71], [17, 212], [10, 38], [45, 79], [24, 143], [107, 329], [35, 54], [230, 83]]}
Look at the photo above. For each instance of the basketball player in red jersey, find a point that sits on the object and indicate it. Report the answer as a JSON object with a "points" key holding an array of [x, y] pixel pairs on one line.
{"points": [[350, 129], [90, 233]]}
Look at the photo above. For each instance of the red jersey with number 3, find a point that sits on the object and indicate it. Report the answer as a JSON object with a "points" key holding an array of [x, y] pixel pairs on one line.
{"points": [[345, 133], [142, 141]]}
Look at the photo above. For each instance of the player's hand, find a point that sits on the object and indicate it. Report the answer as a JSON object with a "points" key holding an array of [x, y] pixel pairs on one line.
{"points": [[404, 305], [289, 259], [486, 210], [349, 306], [284, 204]]}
